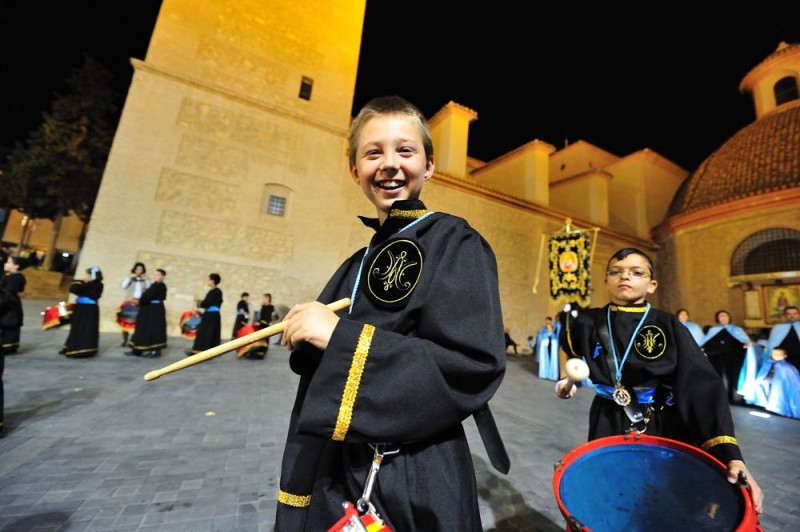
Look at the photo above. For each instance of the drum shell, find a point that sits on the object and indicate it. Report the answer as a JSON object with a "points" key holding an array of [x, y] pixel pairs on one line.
{"points": [[257, 349], [126, 315], [57, 315], [640, 482]]}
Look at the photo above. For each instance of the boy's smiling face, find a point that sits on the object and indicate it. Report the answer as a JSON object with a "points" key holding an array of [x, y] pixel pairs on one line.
{"points": [[390, 162], [629, 286]]}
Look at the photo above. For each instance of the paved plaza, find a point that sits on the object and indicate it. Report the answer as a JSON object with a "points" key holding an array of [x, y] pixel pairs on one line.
{"points": [[90, 445]]}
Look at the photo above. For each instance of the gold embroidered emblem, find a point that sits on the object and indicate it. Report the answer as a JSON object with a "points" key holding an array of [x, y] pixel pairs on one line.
{"points": [[651, 342], [394, 272]]}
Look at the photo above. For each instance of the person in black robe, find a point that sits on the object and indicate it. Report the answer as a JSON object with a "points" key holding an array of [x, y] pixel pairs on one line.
{"points": [[510, 341], [262, 320], [242, 314], [10, 321], [725, 345], [209, 329], [150, 335], [14, 283], [84, 328], [419, 350], [648, 371], [266, 314]]}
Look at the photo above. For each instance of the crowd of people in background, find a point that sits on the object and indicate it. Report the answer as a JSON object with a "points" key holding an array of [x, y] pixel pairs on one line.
{"points": [[141, 316], [757, 369]]}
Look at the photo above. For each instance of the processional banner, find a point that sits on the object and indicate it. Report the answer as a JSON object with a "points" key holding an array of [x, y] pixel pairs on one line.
{"points": [[569, 255]]}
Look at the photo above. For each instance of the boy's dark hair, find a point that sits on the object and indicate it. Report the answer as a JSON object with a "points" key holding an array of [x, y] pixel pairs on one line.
{"points": [[789, 307], [215, 277], [624, 252], [719, 312], [245, 294], [162, 272]]}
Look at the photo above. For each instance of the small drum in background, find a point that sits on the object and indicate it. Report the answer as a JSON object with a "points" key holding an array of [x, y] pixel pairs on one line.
{"points": [[648, 483], [257, 349], [190, 320], [57, 315], [126, 315]]}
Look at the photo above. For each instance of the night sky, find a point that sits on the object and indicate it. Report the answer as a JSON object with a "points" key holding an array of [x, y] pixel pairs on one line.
{"points": [[620, 79]]}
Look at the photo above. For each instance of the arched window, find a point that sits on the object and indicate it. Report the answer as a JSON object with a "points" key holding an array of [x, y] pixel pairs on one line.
{"points": [[768, 251], [786, 90]]}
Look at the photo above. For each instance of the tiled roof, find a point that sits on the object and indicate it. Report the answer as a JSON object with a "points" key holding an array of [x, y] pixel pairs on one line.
{"points": [[762, 157]]}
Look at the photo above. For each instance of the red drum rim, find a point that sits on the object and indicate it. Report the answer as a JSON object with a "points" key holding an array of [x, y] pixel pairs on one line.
{"points": [[748, 523]]}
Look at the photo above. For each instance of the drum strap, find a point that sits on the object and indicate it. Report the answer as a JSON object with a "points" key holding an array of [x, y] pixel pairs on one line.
{"points": [[633, 410]]}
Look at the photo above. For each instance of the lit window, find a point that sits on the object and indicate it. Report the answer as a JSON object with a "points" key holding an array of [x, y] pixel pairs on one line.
{"points": [[276, 206]]}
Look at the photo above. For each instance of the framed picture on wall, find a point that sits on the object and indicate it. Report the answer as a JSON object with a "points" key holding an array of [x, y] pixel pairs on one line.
{"points": [[778, 297], [752, 305]]}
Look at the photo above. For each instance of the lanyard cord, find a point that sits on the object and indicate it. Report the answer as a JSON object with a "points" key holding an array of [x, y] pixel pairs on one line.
{"points": [[617, 364], [364, 258]]}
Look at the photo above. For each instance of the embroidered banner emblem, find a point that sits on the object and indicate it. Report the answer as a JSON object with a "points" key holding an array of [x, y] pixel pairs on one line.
{"points": [[650, 342], [570, 257], [394, 272]]}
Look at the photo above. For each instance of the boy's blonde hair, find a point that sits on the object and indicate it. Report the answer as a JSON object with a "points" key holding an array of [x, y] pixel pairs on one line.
{"points": [[388, 105]]}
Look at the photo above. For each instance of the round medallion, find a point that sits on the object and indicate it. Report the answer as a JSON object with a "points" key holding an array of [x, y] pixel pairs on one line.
{"points": [[621, 396], [394, 272], [651, 342]]}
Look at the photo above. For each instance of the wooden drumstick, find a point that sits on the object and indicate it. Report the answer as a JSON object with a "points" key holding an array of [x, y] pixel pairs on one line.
{"points": [[576, 370], [233, 344]]}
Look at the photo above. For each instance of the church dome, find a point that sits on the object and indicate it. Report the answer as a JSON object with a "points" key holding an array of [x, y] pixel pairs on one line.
{"points": [[762, 157]]}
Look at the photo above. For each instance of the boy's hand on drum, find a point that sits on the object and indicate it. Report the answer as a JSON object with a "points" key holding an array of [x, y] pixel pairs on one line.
{"points": [[737, 469]]}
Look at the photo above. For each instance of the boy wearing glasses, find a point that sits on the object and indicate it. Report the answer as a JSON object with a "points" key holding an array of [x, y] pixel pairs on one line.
{"points": [[649, 374]]}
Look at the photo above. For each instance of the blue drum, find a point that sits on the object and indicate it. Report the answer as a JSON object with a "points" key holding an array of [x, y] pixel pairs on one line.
{"points": [[190, 320], [648, 483], [126, 315]]}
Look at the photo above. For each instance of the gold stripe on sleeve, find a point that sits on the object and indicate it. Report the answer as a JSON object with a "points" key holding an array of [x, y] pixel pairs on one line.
{"points": [[298, 501], [353, 382], [718, 441]]}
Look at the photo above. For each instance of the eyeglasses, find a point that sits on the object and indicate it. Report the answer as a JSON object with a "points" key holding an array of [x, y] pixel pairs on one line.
{"points": [[634, 273]]}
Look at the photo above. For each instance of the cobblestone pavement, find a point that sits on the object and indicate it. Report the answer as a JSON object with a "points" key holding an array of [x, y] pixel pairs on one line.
{"points": [[90, 445]]}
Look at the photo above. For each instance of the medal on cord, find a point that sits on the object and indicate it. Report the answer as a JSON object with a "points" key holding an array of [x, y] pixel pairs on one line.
{"points": [[622, 396]]}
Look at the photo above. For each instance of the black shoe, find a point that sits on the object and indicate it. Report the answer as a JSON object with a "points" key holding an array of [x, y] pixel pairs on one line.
{"points": [[62, 351], [156, 353], [132, 354], [188, 352]]}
